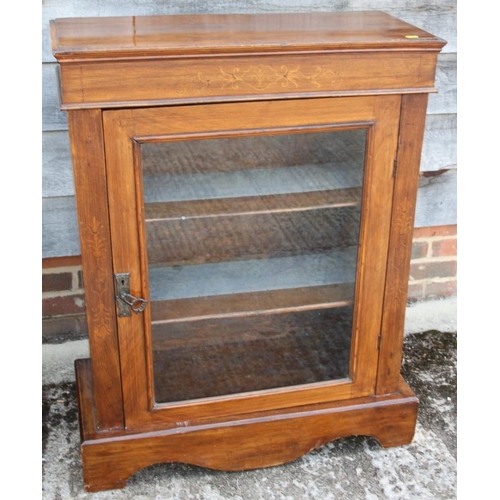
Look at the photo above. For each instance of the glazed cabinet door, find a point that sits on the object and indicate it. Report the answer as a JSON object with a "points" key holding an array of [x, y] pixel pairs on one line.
{"points": [[249, 247]]}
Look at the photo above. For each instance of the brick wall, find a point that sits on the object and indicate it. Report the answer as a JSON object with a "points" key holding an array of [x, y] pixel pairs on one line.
{"points": [[433, 274], [63, 303], [433, 271]]}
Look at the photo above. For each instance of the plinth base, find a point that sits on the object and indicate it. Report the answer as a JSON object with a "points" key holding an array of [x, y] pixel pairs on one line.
{"points": [[247, 442]]}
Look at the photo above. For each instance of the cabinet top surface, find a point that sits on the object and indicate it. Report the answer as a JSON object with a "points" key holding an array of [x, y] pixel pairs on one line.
{"points": [[150, 36]]}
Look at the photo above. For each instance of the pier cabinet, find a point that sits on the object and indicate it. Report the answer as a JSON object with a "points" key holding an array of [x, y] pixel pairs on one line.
{"points": [[245, 189]]}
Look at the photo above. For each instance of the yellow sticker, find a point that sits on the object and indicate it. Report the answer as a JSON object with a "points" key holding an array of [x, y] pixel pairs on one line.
{"points": [[411, 36]]}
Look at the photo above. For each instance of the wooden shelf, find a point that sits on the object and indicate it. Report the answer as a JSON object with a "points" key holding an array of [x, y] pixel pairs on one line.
{"points": [[250, 205], [251, 303]]}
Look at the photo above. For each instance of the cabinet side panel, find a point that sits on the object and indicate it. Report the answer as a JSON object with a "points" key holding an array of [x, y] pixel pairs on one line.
{"points": [[87, 149], [412, 125]]}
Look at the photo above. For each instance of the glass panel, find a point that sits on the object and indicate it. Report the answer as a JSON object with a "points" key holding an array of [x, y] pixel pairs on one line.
{"points": [[252, 248]]}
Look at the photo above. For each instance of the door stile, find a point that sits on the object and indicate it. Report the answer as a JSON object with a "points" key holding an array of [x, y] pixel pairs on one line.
{"points": [[374, 237], [119, 131]]}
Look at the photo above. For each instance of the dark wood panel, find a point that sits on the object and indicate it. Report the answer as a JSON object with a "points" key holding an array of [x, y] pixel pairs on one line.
{"points": [[332, 148], [261, 235], [247, 354]]}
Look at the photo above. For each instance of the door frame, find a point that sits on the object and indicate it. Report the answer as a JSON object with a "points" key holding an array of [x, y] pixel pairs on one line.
{"points": [[126, 130]]}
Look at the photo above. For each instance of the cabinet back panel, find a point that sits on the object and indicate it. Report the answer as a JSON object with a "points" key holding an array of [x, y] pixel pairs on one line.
{"points": [[233, 355], [240, 237], [252, 152]]}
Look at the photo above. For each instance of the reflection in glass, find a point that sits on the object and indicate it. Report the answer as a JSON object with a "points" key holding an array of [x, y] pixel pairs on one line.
{"points": [[252, 248]]}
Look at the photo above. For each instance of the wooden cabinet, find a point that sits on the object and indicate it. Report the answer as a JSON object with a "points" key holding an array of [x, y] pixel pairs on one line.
{"points": [[246, 190]]}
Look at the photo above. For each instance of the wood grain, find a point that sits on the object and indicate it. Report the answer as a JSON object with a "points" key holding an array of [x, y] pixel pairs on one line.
{"points": [[250, 303], [252, 205], [124, 131], [406, 183], [374, 234], [438, 18], [225, 369], [264, 439], [152, 57], [148, 36], [126, 259], [439, 146], [94, 84], [87, 149]]}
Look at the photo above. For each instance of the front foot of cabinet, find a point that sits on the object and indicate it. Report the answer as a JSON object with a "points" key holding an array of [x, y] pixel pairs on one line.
{"points": [[247, 442]]}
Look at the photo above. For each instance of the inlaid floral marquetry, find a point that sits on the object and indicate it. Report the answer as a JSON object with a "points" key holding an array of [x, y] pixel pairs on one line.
{"points": [[96, 241], [263, 77], [184, 80]]}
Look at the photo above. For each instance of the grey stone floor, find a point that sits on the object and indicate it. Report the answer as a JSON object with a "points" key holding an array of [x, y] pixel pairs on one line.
{"points": [[350, 468]]}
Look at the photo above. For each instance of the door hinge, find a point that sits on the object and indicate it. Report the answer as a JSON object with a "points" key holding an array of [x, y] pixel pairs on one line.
{"points": [[378, 342], [395, 167]]}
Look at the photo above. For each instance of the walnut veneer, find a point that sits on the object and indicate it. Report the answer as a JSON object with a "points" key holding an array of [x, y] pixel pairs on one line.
{"points": [[254, 177]]}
